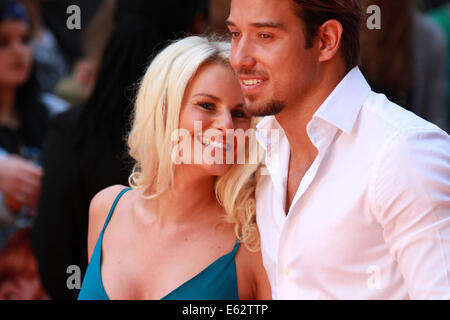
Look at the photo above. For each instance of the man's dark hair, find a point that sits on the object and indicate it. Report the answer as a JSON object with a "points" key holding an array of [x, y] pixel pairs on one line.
{"points": [[348, 12]]}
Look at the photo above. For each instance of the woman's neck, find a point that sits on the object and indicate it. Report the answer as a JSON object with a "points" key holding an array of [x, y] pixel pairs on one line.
{"points": [[191, 199]]}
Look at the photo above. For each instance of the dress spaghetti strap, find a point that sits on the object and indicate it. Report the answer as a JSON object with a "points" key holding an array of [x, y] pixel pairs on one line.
{"points": [[113, 207]]}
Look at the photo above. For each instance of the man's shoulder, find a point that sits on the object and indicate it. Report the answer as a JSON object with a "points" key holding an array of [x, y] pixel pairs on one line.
{"points": [[397, 137], [381, 119]]}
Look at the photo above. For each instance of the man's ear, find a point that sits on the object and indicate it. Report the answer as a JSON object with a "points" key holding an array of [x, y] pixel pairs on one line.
{"points": [[329, 35]]}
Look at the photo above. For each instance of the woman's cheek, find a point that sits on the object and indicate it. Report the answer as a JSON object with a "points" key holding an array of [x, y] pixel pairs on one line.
{"points": [[191, 119]]}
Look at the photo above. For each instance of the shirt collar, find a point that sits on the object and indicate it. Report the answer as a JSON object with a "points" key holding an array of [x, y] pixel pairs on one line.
{"points": [[340, 109], [343, 105], [264, 130]]}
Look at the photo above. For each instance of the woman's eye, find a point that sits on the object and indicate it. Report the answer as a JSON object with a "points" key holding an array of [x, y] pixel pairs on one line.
{"points": [[206, 105], [26, 40]]}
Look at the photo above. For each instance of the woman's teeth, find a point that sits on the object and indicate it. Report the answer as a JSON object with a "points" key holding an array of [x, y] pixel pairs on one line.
{"points": [[215, 144]]}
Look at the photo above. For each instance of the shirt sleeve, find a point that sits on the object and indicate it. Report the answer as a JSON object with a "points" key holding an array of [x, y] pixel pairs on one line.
{"points": [[411, 200]]}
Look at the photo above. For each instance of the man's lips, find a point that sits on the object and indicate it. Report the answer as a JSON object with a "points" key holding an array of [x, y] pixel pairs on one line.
{"points": [[251, 83]]}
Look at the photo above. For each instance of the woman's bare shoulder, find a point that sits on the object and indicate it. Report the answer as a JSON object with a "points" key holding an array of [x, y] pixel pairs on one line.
{"points": [[99, 208], [102, 202], [105, 198]]}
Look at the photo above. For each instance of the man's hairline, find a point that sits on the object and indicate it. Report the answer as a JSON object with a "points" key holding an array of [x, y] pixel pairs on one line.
{"points": [[279, 25]]}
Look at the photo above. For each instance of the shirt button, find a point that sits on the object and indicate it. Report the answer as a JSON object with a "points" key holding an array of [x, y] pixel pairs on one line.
{"points": [[286, 271]]}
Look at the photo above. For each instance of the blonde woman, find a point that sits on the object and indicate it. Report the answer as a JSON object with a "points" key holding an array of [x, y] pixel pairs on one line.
{"points": [[185, 229]]}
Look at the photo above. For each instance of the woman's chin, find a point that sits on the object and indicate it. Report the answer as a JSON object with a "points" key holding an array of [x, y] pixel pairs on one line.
{"points": [[15, 80], [217, 170], [211, 170]]}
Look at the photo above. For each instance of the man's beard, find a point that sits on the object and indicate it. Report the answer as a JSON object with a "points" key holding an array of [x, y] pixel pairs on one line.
{"points": [[268, 109]]}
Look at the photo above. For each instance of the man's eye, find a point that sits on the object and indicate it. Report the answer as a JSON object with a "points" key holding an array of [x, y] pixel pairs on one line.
{"points": [[239, 114], [235, 34], [265, 36]]}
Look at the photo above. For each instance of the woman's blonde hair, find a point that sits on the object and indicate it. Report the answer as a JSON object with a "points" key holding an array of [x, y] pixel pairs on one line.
{"points": [[156, 117]]}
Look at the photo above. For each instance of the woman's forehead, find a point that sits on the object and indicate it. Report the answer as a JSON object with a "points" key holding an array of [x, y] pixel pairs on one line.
{"points": [[13, 26]]}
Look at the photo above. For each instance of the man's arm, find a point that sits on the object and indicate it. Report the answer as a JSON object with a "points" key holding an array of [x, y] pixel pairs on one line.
{"points": [[410, 196]]}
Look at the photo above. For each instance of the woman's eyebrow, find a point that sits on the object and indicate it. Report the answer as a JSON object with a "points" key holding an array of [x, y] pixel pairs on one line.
{"points": [[208, 95], [239, 105]]}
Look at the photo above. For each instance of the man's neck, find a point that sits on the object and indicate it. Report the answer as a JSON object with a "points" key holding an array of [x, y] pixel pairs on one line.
{"points": [[295, 118]]}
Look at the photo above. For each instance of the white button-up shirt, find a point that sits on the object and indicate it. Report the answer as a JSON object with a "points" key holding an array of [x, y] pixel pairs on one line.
{"points": [[371, 216]]}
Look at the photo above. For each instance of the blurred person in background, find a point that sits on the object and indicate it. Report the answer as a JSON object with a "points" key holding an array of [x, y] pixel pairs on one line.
{"points": [[406, 59], [23, 120], [77, 87], [86, 149], [441, 15], [427, 5], [19, 275], [49, 61], [54, 13], [219, 10]]}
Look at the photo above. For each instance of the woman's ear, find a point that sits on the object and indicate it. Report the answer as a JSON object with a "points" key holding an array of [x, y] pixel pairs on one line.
{"points": [[329, 35]]}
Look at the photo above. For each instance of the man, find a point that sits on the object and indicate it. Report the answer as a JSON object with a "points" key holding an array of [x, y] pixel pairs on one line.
{"points": [[357, 203]]}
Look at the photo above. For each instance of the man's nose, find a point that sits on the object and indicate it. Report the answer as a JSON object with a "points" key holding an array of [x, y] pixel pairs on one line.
{"points": [[241, 54]]}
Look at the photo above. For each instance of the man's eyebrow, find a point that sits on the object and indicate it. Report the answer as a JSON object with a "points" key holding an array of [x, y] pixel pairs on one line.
{"points": [[267, 24], [229, 23]]}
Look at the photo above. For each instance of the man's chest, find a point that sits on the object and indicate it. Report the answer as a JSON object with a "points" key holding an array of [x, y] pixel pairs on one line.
{"points": [[329, 217]]}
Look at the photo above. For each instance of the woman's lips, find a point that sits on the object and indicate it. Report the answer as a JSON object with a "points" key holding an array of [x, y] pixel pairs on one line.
{"points": [[19, 66], [216, 144]]}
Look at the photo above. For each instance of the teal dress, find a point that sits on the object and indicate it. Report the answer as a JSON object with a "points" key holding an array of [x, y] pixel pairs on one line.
{"points": [[218, 281]]}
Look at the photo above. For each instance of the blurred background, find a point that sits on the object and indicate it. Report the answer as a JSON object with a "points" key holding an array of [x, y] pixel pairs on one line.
{"points": [[66, 101]]}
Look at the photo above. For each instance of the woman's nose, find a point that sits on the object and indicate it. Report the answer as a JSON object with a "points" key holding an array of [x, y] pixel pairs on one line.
{"points": [[224, 121], [20, 48]]}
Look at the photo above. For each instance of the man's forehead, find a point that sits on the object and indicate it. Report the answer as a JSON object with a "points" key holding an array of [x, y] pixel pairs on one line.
{"points": [[271, 13], [260, 5]]}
